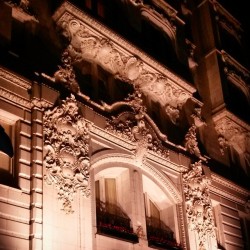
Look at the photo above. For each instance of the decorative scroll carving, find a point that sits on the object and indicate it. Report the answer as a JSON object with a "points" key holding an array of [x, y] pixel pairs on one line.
{"points": [[85, 45], [133, 127], [66, 75], [191, 143], [198, 203], [66, 156]]}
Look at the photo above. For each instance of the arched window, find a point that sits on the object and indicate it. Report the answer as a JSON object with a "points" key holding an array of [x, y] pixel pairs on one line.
{"points": [[131, 205], [161, 217], [113, 209]]}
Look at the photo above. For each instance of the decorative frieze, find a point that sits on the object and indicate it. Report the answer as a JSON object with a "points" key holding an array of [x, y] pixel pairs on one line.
{"points": [[14, 79], [66, 151], [40, 103], [198, 204], [14, 98]]}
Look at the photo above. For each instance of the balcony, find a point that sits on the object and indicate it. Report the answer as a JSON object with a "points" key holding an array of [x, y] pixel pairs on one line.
{"points": [[160, 236], [113, 222]]}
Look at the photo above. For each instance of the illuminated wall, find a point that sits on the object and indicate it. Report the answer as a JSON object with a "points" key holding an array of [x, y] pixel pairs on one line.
{"points": [[113, 148]]}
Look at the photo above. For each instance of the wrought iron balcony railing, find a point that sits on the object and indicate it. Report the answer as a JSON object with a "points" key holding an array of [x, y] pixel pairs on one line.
{"points": [[160, 236], [113, 222]]}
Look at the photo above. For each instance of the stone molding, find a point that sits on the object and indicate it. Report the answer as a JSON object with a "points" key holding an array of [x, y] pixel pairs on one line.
{"points": [[40, 103], [227, 195], [14, 79], [14, 98], [111, 138], [182, 226], [230, 185], [66, 152]]}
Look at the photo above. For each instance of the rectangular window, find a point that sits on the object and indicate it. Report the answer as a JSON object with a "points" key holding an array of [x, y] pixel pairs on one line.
{"points": [[7, 138]]}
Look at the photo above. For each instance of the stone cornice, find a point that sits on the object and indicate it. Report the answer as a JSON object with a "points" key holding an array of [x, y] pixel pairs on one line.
{"points": [[227, 195], [69, 12], [14, 98], [218, 179], [14, 79]]}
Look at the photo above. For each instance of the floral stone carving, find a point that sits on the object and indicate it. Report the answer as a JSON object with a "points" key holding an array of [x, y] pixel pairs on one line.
{"points": [[66, 151], [234, 135], [133, 127], [198, 204]]}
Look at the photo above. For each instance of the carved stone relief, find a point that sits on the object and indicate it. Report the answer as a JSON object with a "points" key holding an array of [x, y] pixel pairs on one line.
{"points": [[133, 127], [232, 135], [198, 204], [66, 75], [66, 152], [87, 45], [191, 143]]}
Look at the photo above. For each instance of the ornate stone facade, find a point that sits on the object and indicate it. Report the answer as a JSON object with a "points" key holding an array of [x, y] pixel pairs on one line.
{"points": [[87, 45], [126, 120]]}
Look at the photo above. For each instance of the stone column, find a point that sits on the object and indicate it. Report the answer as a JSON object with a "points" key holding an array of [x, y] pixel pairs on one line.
{"points": [[36, 179]]}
